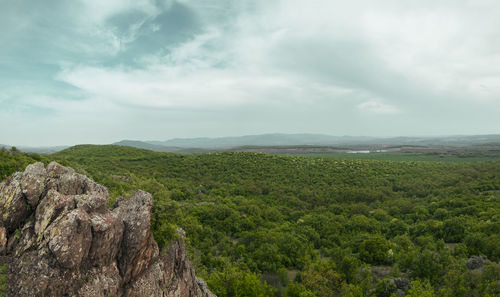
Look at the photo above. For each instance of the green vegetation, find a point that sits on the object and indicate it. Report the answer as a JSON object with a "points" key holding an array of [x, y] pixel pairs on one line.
{"points": [[3, 279], [470, 156], [262, 224], [13, 160]]}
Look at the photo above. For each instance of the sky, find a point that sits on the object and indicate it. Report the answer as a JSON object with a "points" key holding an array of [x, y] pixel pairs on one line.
{"points": [[94, 71]]}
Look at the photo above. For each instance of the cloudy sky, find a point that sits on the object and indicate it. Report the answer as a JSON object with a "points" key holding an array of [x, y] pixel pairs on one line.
{"points": [[94, 71]]}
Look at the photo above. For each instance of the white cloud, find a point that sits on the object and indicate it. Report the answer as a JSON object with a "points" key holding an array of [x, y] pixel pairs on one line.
{"points": [[174, 87], [432, 60], [375, 107], [267, 51]]}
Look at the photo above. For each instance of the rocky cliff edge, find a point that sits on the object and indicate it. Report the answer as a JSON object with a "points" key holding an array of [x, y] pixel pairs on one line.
{"points": [[59, 238]]}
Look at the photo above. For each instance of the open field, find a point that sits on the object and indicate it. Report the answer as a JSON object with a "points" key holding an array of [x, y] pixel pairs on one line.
{"points": [[432, 157]]}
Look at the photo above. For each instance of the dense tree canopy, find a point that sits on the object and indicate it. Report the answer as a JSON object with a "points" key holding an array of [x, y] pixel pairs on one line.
{"points": [[262, 224]]}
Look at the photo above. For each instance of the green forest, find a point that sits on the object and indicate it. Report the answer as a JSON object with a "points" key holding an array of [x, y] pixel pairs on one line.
{"points": [[285, 225]]}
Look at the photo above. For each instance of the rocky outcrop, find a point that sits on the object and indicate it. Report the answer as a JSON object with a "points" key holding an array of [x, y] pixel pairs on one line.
{"points": [[400, 285], [475, 262], [180, 276], [59, 238]]}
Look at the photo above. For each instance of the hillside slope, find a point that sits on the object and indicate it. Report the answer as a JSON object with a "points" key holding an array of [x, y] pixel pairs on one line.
{"points": [[316, 226], [355, 224]]}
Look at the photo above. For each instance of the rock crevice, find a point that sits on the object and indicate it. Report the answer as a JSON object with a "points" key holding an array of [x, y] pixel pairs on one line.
{"points": [[59, 238]]}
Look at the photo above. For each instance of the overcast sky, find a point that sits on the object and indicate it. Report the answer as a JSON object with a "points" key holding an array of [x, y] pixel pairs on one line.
{"points": [[95, 71]]}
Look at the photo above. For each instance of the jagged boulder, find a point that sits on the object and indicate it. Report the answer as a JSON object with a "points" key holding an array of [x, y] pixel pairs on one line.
{"points": [[180, 274], [107, 233], [60, 239], [13, 206], [137, 245], [52, 206], [70, 238], [33, 183], [67, 182]]}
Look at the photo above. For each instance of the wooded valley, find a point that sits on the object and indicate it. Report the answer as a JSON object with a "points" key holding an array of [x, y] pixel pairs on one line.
{"points": [[278, 225]]}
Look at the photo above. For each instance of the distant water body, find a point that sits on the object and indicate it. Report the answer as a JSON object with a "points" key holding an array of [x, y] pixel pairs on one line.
{"points": [[366, 152]]}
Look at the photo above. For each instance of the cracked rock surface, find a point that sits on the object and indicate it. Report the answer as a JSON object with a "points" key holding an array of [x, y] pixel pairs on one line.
{"points": [[59, 238]]}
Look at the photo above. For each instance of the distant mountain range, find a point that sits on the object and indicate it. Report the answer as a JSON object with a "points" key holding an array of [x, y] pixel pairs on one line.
{"points": [[224, 143], [37, 150], [148, 146], [200, 145], [261, 140]]}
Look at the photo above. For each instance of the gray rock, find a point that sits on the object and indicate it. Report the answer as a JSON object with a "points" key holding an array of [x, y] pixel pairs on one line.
{"points": [[402, 283], [67, 182], [70, 238], [51, 206], [205, 291], [26, 239], [179, 273], [33, 182], [73, 245], [475, 262], [3, 240], [150, 283], [137, 243], [56, 170], [101, 282], [95, 201], [107, 232], [14, 208]]}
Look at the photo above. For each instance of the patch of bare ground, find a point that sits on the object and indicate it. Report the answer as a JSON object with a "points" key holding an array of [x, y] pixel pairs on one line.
{"points": [[451, 246], [292, 274], [381, 271]]}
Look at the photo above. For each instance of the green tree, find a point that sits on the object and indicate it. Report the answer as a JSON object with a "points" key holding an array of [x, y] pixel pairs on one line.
{"points": [[250, 286], [385, 288], [297, 290], [349, 266], [374, 250], [322, 279], [234, 282], [454, 230], [420, 289]]}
